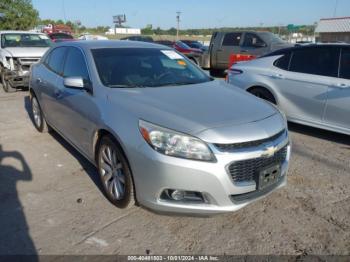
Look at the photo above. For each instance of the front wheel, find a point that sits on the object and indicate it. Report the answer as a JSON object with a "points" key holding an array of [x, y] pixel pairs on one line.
{"points": [[115, 174], [263, 94], [6, 84]]}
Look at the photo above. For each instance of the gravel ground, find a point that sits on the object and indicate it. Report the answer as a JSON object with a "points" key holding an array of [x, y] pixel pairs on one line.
{"points": [[51, 202]]}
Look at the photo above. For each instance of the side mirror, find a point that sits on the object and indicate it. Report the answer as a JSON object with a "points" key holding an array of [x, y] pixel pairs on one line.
{"points": [[77, 82]]}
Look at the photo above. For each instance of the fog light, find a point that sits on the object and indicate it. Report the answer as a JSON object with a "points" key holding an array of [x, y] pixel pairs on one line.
{"points": [[177, 195], [182, 196]]}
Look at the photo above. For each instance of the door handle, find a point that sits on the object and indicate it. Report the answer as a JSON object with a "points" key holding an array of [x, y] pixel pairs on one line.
{"points": [[278, 76], [342, 85], [57, 93], [38, 80]]}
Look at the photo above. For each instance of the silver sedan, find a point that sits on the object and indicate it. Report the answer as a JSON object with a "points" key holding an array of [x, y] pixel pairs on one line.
{"points": [[311, 83], [159, 130]]}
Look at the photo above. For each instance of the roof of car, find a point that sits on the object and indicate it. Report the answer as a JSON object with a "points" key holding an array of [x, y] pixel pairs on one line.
{"points": [[18, 32], [281, 51], [94, 44]]}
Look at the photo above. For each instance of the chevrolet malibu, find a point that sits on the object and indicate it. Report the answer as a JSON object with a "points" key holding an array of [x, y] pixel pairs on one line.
{"points": [[161, 132]]}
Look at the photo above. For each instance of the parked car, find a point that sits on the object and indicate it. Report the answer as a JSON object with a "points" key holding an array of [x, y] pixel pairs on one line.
{"points": [[92, 37], [153, 129], [194, 54], [310, 83], [195, 44], [18, 51], [61, 37], [138, 38], [165, 42], [225, 46]]}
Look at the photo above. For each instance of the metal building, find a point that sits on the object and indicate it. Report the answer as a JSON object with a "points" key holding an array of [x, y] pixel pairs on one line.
{"points": [[333, 30]]}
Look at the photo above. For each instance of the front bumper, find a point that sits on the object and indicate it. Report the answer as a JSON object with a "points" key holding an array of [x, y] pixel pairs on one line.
{"points": [[17, 78], [154, 173]]}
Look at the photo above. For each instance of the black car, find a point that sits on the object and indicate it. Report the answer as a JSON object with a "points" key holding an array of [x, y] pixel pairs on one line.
{"points": [[139, 38]]}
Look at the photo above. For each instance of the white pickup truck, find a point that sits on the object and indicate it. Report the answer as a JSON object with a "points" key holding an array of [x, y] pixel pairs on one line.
{"points": [[18, 51]]}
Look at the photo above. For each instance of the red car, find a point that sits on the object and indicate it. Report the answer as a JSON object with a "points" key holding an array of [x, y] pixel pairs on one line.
{"points": [[61, 37], [194, 54]]}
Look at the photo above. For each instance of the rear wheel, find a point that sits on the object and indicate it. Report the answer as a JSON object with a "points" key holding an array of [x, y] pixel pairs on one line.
{"points": [[115, 173], [263, 94], [38, 117]]}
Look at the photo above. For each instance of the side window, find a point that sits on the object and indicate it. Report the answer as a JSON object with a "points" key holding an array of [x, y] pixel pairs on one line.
{"points": [[316, 60], [252, 40], [345, 64], [232, 39], [75, 64], [283, 62], [55, 60]]}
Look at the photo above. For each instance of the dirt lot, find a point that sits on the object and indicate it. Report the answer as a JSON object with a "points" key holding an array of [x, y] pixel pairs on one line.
{"points": [[51, 203]]}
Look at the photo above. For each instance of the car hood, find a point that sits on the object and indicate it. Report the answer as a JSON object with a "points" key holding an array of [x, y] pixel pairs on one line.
{"points": [[193, 108], [26, 51]]}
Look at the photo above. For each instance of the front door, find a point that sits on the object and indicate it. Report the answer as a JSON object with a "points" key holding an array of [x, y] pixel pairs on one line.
{"points": [[79, 112]]}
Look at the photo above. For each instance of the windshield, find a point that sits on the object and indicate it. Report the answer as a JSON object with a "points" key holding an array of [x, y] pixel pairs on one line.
{"points": [[194, 44], [24, 40], [145, 67], [182, 45]]}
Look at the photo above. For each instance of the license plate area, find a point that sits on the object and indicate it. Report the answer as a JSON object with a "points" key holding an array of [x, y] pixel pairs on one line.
{"points": [[268, 176]]}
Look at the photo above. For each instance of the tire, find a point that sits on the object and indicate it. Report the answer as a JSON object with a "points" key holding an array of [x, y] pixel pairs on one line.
{"points": [[263, 94], [6, 85], [115, 173], [216, 72], [37, 116]]}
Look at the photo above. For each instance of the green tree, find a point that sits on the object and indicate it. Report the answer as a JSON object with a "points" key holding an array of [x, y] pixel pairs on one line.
{"points": [[18, 15]]}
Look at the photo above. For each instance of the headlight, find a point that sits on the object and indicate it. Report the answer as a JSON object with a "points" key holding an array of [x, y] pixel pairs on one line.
{"points": [[172, 143]]}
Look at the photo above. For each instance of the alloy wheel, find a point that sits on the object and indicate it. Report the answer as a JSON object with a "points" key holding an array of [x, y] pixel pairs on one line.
{"points": [[112, 172], [36, 112]]}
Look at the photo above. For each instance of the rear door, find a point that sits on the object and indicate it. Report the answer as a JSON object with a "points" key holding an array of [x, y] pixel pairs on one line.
{"points": [[230, 44], [253, 45], [304, 87], [338, 104]]}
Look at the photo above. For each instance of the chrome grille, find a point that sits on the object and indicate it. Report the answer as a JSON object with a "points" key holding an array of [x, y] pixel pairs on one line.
{"points": [[256, 143], [247, 170]]}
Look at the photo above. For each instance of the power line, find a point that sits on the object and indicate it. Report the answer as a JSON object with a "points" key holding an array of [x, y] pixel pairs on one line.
{"points": [[335, 8], [64, 11]]}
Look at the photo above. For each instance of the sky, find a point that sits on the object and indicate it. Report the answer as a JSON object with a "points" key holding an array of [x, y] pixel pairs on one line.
{"points": [[194, 13]]}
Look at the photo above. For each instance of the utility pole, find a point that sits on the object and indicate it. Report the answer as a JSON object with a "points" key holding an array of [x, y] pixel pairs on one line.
{"points": [[178, 13]]}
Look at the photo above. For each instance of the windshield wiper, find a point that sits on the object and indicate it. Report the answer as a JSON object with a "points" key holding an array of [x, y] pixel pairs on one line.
{"points": [[125, 86], [177, 84]]}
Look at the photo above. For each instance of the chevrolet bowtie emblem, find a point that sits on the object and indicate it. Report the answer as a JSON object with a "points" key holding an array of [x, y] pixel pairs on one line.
{"points": [[269, 151]]}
